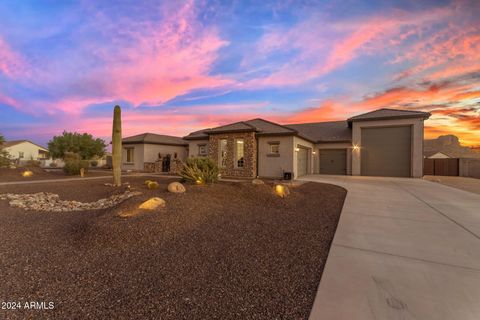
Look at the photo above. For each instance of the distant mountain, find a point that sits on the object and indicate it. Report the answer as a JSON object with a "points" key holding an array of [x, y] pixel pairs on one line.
{"points": [[450, 145]]}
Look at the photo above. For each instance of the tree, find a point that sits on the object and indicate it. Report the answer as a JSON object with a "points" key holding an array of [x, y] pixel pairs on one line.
{"points": [[4, 155], [83, 144]]}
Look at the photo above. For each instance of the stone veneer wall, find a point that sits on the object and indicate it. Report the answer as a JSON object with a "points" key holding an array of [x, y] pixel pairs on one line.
{"points": [[250, 158]]}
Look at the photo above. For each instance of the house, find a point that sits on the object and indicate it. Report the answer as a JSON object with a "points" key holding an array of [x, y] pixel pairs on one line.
{"points": [[24, 150], [436, 155], [148, 148], [384, 142]]}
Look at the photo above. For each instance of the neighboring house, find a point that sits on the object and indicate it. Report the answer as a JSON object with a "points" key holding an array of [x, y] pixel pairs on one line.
{"points": [[436, 155], [384, 142], [24, 150], [149, 148]]}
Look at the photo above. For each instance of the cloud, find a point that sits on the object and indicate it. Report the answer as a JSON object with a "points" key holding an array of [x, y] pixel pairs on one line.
{"points": [[12, 64], [141, 60]]}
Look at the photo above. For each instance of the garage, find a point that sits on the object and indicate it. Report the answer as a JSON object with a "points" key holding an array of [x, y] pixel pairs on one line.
{"points": [[333, 161], [302, 161], [386, 151]]}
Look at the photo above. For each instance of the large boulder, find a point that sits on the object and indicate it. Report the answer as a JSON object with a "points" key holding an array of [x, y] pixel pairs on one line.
{"points": [[176, 187], [153, 204], [257, 182]]}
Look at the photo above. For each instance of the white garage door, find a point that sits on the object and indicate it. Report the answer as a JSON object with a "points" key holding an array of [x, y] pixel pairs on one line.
{"points": [[302, 162]]}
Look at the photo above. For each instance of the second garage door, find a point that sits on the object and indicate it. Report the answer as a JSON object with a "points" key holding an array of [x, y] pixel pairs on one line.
{"points": [[333, 161], [386, 151]]}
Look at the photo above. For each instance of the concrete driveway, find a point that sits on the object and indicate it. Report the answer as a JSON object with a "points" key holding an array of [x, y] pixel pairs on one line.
{"points": [[404, 249]]}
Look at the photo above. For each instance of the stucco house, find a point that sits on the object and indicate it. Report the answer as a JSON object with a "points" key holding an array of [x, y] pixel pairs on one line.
{"points": [[150, 148], [24, 150], [384, 142]]}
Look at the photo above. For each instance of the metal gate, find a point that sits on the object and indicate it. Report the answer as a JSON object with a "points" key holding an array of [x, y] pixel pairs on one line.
{"points": [[441, 167]]}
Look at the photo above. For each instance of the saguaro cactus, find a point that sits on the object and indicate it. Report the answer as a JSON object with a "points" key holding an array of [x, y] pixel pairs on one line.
{"points": [[117, 146]]}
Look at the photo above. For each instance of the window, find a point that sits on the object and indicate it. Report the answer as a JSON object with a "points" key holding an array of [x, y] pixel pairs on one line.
{"points": [[202, 149], [275, 148], [130, 155], [20, 155], [223, 153], [239, 153]]}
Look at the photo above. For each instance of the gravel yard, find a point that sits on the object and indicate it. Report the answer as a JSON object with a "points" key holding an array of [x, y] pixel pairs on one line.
{"points": [[225, 251], [10, 175]]}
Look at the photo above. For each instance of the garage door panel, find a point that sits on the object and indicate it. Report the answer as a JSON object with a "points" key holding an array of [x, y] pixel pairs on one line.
{"points": [[333, 161], [386, 151]]}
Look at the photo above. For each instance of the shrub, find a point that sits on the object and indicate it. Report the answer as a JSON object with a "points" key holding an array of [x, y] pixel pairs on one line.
{"points": [[94, 163], [71, 156], [53, 165], [200, 170], [72, 167], [33, 163], [152, 185]]}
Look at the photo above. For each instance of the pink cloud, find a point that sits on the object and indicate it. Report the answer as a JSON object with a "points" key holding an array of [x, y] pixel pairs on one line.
{"points": [[12, 64]]}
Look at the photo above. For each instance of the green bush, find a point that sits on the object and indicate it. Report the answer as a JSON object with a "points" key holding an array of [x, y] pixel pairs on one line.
{"points": [[94, 163], [33, 163], [200, 170], [53, 164], [72, 167], [71, 156]]}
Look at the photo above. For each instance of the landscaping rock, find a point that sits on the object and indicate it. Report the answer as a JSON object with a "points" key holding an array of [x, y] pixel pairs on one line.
{"points": [[176, 187], [281, 190], [257, 182], [45, 201], [153, 185], [152, 204]]}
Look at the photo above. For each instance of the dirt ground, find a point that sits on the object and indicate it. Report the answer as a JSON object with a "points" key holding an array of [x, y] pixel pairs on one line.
{"points": [[224, 251], [462, 183], [10, 175]]}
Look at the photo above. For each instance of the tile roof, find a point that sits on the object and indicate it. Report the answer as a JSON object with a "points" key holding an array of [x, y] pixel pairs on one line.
{"points": [[385, 113], [232, 127], [153, 138], [260, 126], [332, 131]]}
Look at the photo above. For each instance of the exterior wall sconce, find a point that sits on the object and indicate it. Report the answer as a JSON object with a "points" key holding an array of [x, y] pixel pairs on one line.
{"points": [[297, 149], [355, 147], [314, 152]]}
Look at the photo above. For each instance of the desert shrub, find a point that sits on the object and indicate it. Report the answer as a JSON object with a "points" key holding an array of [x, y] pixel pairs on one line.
{"points": [[72, 167], [153, 185], [33, 163], [94, 163], [5, 161], [200, 170]]}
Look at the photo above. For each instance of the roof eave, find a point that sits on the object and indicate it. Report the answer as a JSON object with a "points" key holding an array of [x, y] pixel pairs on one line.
{"points": [[425, 117]]}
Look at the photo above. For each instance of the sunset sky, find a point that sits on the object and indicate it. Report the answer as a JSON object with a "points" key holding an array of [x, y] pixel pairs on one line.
{"points": [[176, 67]]}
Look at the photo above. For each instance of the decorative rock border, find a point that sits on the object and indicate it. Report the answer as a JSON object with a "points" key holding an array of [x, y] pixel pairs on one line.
{"points": [[45, 201]]}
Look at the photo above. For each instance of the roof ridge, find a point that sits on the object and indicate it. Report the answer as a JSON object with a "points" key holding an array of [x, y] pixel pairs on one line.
{"points": [[274, 123]]}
